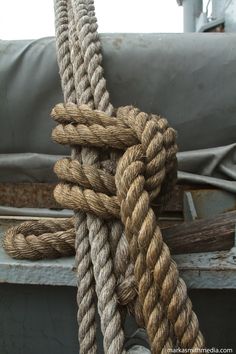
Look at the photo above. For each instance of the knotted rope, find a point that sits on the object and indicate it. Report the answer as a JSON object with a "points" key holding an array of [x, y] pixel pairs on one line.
{"points": [[149, 160], [101, 191]]}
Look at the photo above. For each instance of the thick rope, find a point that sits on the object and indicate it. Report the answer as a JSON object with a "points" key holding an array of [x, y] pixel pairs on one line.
{"points": [[100, 252], [90, 87], [139, 178], [160, 155], [138, 183], [83, 90], [85, 279], [161, 293], [145, 172]]}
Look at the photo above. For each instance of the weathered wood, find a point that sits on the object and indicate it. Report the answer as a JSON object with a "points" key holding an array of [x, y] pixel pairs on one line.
{"points": [[27, 195], [199, 236], [205, 235], [212, 270], [40, 195]]}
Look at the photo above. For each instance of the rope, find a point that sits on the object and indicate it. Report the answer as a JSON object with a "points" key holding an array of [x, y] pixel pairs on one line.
{"points": [[85, 279], [90, 88], [137, 182], [102, 187], [139, 176]]}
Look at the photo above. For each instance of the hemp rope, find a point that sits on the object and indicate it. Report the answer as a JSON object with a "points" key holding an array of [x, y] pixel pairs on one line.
{"points": [[157, 275], [137, 185], [161, 140]]}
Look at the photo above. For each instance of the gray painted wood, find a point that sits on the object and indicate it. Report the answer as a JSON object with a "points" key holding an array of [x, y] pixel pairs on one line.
{"points": [[213, 270]]}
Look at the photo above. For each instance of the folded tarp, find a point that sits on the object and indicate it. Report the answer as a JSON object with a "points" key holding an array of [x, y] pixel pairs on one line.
{"points": [[188, 78]]}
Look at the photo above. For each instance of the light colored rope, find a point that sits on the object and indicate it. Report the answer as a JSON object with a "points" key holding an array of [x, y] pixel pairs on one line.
{"points": [[90, 87], [101, 257], [63, 50], [83, 89], [86, 25], [85, 280]]}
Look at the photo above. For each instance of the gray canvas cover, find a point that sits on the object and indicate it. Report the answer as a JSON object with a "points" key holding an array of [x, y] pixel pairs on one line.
{"points": [[188, 78]]}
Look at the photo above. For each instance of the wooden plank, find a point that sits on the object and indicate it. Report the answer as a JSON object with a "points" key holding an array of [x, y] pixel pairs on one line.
{"points": [[40, 195], [205, 235]]}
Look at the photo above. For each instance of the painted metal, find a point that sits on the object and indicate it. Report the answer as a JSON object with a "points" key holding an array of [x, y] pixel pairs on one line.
{"points": [[192, 10], [230, 16], [206, 203]]}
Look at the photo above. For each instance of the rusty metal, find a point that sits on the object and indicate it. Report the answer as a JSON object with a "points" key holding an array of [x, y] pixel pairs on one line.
{"points": [[205, 203]]}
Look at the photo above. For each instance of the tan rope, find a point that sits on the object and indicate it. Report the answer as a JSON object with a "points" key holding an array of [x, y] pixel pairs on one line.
{"points": [[139, 178]]}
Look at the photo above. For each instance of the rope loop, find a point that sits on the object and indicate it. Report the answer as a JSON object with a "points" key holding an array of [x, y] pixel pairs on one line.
{"points": [[149, 143], [145, 174]]}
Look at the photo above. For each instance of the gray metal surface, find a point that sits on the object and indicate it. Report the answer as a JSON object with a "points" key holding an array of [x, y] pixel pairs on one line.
{"points": [[189, 210], [207, 203], [42, 319], [230, 16], [197, 18], [218, 8]]}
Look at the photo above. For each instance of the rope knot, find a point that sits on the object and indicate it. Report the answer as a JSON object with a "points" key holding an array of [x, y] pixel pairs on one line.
{"points": [[128, 188], [148, 162], [144, 175]]}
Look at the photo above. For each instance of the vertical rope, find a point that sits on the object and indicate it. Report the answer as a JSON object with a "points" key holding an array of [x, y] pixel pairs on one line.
{"points": [[86, 299], [83, 89], [86, 25], [82, 43], [85, 280]]}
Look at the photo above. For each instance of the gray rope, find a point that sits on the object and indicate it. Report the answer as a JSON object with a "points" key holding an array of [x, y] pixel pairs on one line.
{"points": [[85, 280], [90, 88], [63, 50], [86, 25]]}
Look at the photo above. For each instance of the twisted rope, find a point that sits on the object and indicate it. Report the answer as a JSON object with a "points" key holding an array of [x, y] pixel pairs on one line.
{"points": [[93, 184], [139, 177], [90, 88], [157, 275], [85, 279]]}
